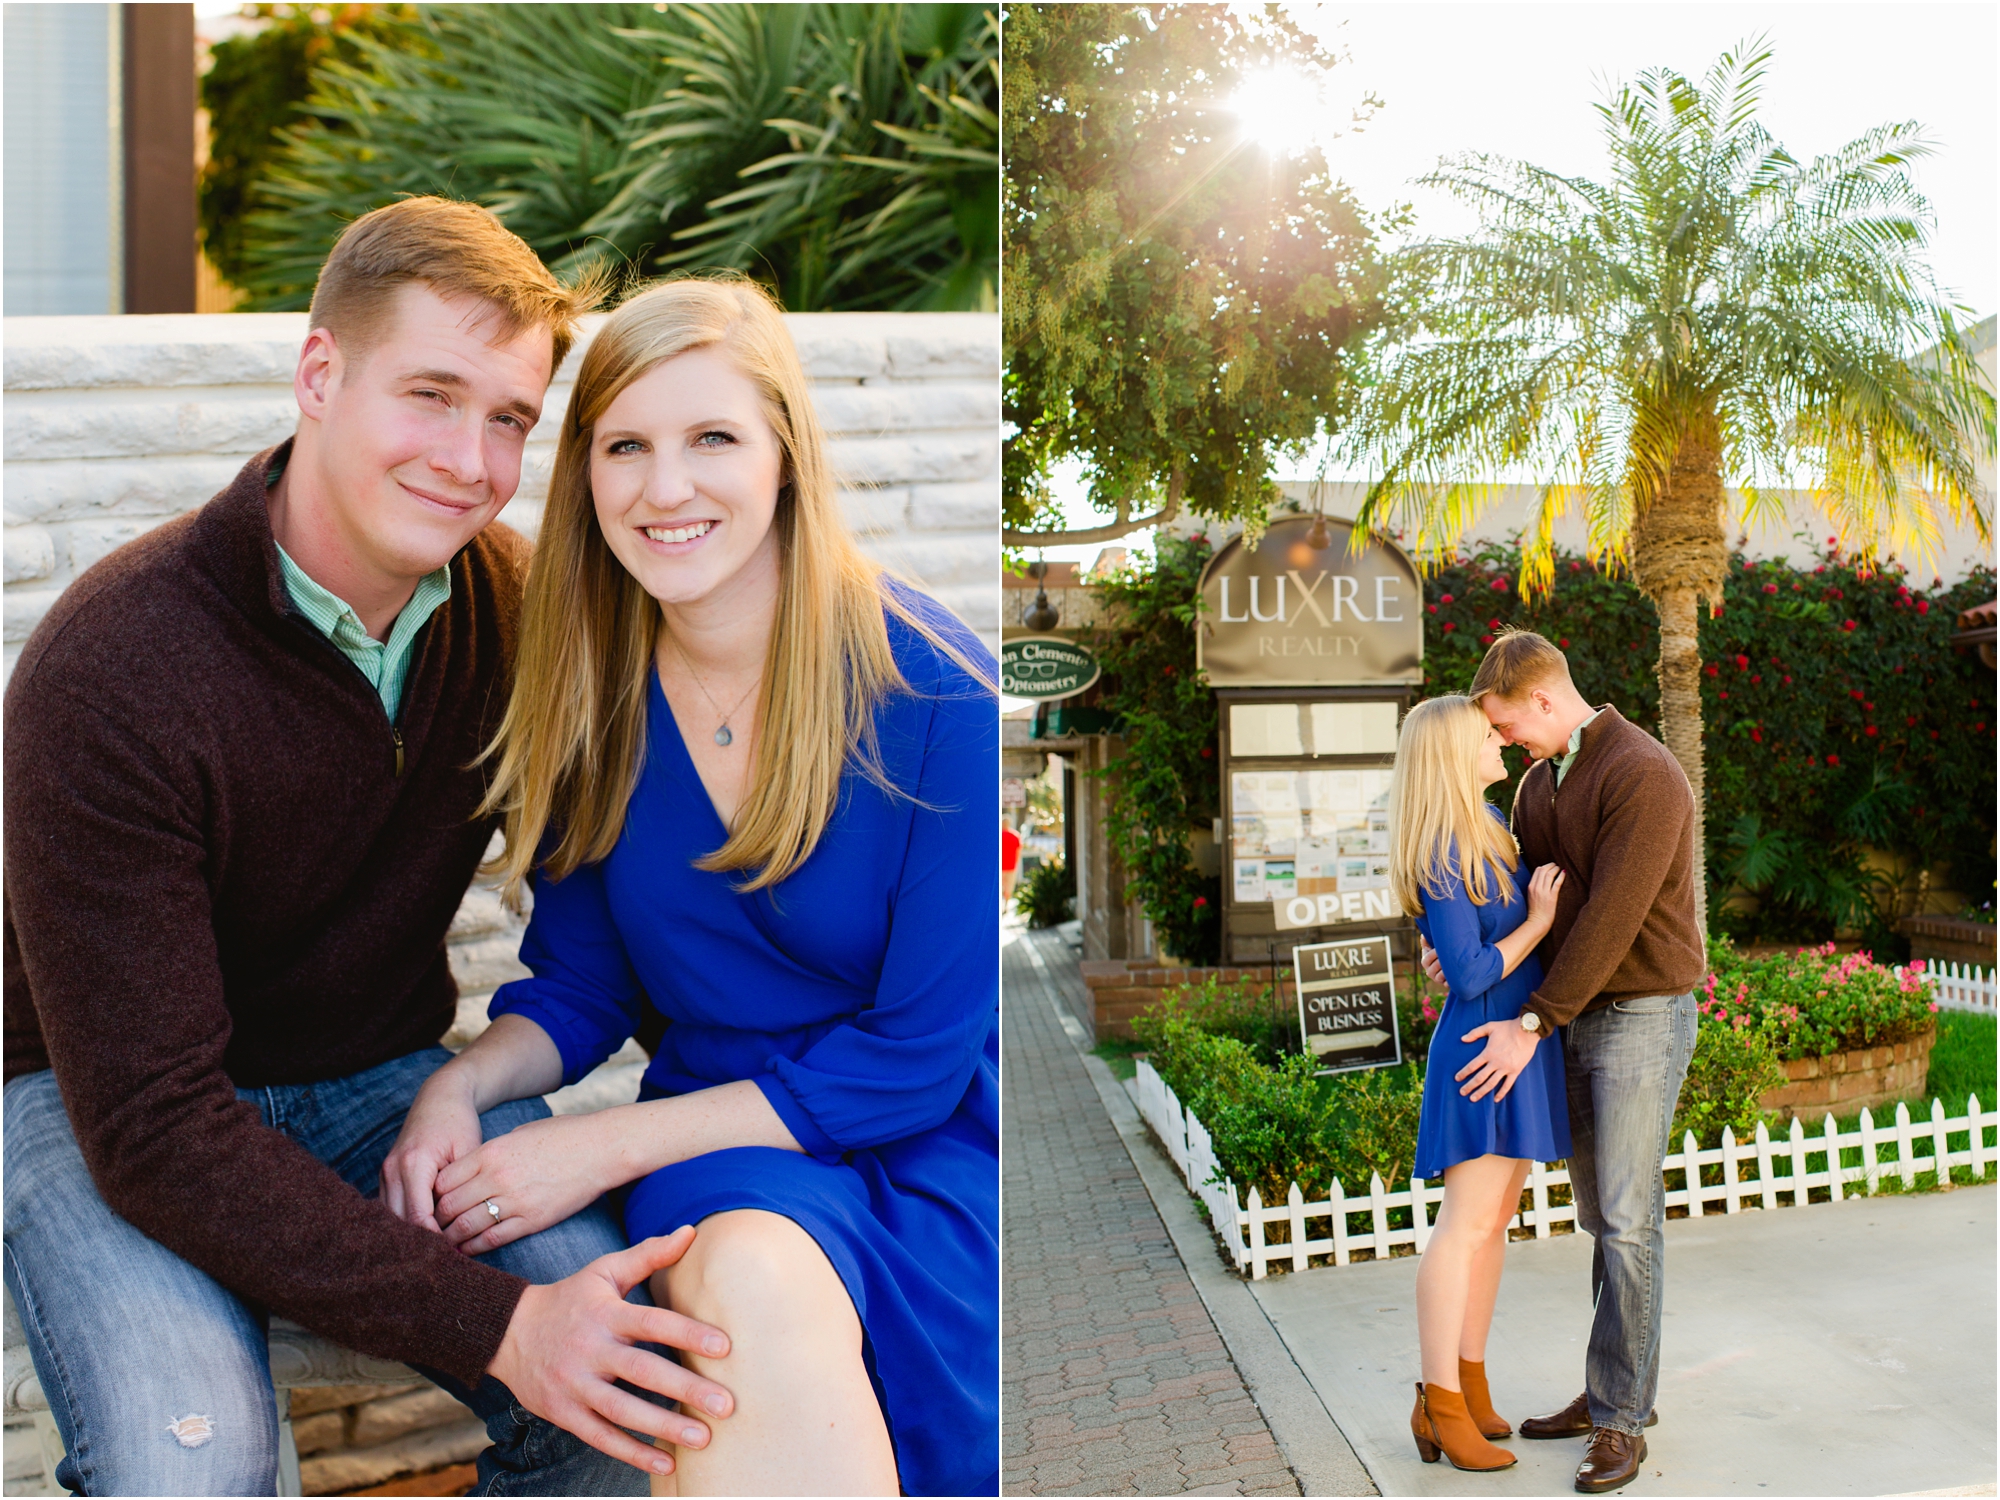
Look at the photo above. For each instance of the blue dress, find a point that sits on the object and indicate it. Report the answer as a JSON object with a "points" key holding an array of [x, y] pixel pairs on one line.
{"points": [[1533, 1120], [861, 995]]}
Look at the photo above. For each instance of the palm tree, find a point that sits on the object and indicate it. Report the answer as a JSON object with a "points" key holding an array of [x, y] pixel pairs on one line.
{"points": [[1716, 313]]}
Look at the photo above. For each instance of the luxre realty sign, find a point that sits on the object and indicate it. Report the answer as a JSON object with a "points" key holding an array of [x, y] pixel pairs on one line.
{"points": [[1285, 613]]}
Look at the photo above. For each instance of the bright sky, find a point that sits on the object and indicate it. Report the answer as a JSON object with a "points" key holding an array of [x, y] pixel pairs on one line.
{"points": [[1520, 80]]}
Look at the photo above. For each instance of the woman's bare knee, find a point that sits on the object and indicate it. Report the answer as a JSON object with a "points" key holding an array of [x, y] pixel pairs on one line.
{"points": [[748, 1265]]}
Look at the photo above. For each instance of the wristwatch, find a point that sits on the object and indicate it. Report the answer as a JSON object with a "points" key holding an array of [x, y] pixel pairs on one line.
{"points": [[1530, 1022]]}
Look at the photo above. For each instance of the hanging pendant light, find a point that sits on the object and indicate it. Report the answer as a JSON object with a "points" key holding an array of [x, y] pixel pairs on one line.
{"points": [[1043, 616]]}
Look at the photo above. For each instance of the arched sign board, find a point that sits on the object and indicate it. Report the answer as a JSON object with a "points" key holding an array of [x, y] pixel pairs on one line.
{"points": [[1045, 668], [1285, 613]]}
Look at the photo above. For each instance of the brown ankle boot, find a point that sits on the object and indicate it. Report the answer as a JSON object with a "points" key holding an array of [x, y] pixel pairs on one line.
{"points": [[1478, 1401], [1443, 1428]]}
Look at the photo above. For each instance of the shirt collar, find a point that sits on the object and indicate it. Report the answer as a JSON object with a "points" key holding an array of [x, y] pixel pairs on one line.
{"points": [[1575, 743], [329, 611]]}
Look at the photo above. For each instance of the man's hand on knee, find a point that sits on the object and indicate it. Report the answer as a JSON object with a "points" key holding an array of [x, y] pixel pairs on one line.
{"points": [[570, 1340]]}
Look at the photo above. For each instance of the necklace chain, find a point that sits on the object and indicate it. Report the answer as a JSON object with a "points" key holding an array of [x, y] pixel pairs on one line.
{"points": [[723, 736]]}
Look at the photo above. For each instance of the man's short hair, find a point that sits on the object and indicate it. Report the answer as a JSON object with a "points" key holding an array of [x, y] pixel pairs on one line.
{"points": [[456, 249], [1517, 661]]}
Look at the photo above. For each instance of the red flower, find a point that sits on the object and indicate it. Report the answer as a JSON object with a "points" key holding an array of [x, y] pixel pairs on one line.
{"points": [[1933, 734], [1432, 608], [1723, 694], [1855, 694], [1788, 680], [1576, 567], [1980, 727], [1201, 901], [1207, 752], [1448, 625], [1923, 606], [1564, 642], [1770, 588], [1812, 760], [1847, 625], [1755, 679], [1870, 731], [1167, 671], [1445, 600], [1742, 663], [1757, 735], [1912, 721], [1486, 640], [1499, 585], [1833, 760], [1714, 670], [1869, 707], [1493, 624]]}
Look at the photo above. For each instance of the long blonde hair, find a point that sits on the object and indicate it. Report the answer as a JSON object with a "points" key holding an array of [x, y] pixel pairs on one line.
{"points": [[571, 745], [1436, 803]]}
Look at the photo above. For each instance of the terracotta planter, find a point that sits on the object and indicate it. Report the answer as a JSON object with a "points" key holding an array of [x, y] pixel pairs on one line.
{"points": [[1843, 1082]]}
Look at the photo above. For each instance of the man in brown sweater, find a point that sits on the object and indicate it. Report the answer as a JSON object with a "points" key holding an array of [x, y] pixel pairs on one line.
{"points": [[1610, 805], [241, 810]]}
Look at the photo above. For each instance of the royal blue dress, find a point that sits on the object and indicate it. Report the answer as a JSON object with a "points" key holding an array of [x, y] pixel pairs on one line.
{"points": [[861, 994], [1533, 1120]]}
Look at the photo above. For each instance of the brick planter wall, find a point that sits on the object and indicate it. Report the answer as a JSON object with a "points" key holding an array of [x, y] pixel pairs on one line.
{"points": [[1120, 988], [1842, 1082]]}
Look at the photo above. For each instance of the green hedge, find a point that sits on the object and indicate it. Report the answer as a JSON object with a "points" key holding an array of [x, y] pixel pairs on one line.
{"points": [[1229, 1051]]}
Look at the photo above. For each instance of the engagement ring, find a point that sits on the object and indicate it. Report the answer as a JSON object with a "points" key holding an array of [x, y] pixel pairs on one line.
{"points": [[493, 1209]]}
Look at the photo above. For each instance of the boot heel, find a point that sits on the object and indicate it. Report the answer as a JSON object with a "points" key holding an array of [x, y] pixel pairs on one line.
{"points": [[1420, 1429]]}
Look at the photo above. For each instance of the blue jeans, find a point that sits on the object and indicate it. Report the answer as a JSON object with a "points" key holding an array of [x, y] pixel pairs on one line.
{"points": [[127, 1337], [1625, 1064]]}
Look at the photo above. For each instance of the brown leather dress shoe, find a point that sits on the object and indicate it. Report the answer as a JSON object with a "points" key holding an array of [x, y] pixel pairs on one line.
{"points": [[1572, 1421], [1610, 1462]]}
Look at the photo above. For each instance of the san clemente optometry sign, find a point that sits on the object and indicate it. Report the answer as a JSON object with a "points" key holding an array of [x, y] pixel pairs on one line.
{"points": [[1285, 613], [1045, 667]]}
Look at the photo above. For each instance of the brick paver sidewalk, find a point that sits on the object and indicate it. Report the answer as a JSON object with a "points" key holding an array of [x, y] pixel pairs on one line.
{"points": [[1113, 1378]]}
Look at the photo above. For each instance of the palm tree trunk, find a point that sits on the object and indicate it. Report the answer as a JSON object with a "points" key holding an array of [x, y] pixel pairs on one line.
{"points": [[1679, 558]]}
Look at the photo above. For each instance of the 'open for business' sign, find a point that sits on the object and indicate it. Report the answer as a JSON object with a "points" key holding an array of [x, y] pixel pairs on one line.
{"points": [[1347, 1004]]}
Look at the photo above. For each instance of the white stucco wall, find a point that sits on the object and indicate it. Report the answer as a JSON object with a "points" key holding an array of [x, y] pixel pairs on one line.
{"points": [[115, 424]]}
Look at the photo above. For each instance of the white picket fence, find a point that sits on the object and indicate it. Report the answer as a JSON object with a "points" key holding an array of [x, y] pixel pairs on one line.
{"points": [[1960, 987], [1245, 1230]]}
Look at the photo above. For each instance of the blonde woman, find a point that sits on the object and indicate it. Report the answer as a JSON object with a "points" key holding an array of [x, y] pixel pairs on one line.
{"points": [[1455, 868], [753, 786]]}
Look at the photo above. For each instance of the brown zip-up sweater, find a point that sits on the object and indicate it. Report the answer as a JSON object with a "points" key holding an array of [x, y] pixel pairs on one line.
{"points": [[216, 876], [1622, 829]]}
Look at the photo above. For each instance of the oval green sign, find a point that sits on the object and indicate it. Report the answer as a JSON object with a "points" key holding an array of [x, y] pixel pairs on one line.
{"points": [[1045, 667]]}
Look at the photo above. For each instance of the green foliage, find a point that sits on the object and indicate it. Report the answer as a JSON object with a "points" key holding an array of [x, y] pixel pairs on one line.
{"points": [[1814, 1002], [1965, 1058], [1820, 739], [1713, 293], [252, 91], [1165, 783], [842, 153], [1732, 1067], [1048, 896], [1178, 305], [1271, 1121]]}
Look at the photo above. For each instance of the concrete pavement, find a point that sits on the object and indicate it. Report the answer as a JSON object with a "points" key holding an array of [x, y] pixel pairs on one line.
{"points": [[1839, 1349]]}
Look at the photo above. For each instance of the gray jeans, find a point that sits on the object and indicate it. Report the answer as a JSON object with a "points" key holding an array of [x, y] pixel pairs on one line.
{"points": [[1625, 1063]]}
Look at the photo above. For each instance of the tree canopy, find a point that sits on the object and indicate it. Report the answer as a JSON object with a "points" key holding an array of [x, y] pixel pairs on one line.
{"points": [[1716, 311], [1179, 302]]}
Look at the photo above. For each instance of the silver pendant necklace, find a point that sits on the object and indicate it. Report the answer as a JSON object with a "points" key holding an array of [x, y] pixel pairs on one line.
{"points": [[722, 735]]}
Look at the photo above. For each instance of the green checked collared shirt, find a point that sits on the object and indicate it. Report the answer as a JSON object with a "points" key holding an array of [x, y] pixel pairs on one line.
{"points": [[384, 663]]}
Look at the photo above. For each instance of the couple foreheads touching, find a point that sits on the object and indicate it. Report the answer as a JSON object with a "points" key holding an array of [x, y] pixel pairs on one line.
{"points": [[254, 760], [1570, 948]]}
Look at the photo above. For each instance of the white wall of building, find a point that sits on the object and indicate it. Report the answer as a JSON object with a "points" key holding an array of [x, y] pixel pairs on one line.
{"points": [[115, 424]]}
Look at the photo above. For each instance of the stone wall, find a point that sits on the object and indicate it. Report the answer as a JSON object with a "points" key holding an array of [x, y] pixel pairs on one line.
{"points": [[115, 424], [1844, 1082]]}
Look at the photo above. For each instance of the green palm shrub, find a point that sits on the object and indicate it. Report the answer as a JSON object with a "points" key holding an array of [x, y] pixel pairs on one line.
{"points": [[844, 154]]}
